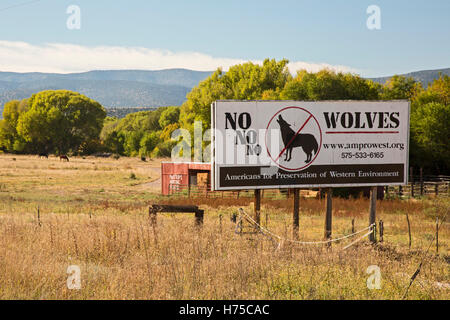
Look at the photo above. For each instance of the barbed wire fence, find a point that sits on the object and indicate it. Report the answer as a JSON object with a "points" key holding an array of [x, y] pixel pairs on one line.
{"points": [[280, 240]]}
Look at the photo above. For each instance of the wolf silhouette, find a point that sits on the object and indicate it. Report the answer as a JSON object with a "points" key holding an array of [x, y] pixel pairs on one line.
{"points": [[307, 141]]}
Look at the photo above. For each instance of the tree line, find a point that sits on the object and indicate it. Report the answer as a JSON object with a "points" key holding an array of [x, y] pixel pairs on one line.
{"points": [[63, 121]]}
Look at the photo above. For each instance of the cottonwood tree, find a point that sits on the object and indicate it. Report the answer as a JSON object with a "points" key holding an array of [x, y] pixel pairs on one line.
{"points": [[245, 81], [60, 121], [329, 85]]}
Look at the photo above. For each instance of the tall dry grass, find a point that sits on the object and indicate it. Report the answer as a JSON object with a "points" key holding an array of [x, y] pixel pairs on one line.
{"points": [[123, 257], [97, 219]]}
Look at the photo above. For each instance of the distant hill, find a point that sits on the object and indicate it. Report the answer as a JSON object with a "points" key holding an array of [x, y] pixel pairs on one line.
{"points": [[112, 88], [178, 77], [425, 76], [129, 88]]}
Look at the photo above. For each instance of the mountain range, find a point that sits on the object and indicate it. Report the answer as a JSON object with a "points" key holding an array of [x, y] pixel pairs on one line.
{"points": [[130, 88], [112, 88], [424, 76]]}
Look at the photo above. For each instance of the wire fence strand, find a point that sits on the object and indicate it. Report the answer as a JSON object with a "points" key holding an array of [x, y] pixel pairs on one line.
{"points": [[267, 231]]}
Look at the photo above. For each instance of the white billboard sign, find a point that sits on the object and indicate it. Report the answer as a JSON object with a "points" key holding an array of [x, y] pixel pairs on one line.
{"points": [[294, 144]]}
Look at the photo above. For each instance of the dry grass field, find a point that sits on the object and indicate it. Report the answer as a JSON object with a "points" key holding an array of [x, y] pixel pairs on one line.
{"points": [[93, 214]]}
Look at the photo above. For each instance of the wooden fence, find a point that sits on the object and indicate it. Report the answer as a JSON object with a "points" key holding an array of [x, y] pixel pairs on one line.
{"points": [[421, 186], [412, 190], [423, 189]]}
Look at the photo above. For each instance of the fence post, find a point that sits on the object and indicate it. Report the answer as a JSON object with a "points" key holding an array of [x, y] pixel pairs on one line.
{"points": [[353, 225], [258, 206], [436, 189], [199, 217], [409, 230], [421, 181], [400, 191], [152, 216], [437, 235], [372, 214], [329, 215], [38, 216], [295, 224], [381, 230]]}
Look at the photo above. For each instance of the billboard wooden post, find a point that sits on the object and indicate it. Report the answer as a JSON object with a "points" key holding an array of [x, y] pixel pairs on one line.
{"points": [[328, 216], [372, 214], [295, 224], [258, 206]]}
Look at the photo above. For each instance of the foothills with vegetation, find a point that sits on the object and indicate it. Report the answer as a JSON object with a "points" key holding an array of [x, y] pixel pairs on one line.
{"points": [[63, 122]]}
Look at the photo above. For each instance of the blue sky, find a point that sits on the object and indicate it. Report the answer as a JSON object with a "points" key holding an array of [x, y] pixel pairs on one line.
{"points": [[203, 35]]}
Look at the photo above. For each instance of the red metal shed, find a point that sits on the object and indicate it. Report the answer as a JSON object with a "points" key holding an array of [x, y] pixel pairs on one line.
{"points": [[178, 176]]}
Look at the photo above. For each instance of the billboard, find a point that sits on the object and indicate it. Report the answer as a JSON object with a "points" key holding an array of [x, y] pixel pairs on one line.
{"points": [[295, 144]]}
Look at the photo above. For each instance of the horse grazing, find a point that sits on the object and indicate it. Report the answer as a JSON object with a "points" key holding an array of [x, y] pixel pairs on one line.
{"points": [[63, 157], [292, 140], [43, 154]]}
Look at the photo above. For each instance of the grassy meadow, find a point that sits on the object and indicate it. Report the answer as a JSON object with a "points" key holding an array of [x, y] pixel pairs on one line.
{"points": [[93, 213]]}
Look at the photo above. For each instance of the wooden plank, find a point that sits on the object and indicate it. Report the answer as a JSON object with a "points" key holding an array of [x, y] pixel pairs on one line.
{"points": [[154, 209], [174, 208]]}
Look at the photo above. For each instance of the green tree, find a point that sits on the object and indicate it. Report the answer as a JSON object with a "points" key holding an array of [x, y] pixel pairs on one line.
{"points": [[438, 91], [169, 116], [430, 135], [9, 138], [329, 85], [429, 127], [60, 121], [138, 133], [242, 82], [109, 136], [132, 142], [400, 87], [148, 143]]}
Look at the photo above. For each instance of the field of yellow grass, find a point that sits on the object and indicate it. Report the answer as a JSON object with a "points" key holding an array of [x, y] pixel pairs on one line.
{"points": [[93, 213]]}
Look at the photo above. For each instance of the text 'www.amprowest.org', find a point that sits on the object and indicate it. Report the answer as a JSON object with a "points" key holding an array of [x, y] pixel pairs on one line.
{"points": [[363, 146]]}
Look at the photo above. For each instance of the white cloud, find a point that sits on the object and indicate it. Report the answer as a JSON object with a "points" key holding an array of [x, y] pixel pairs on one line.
{"points": [[314, 67], [66, 58]]}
